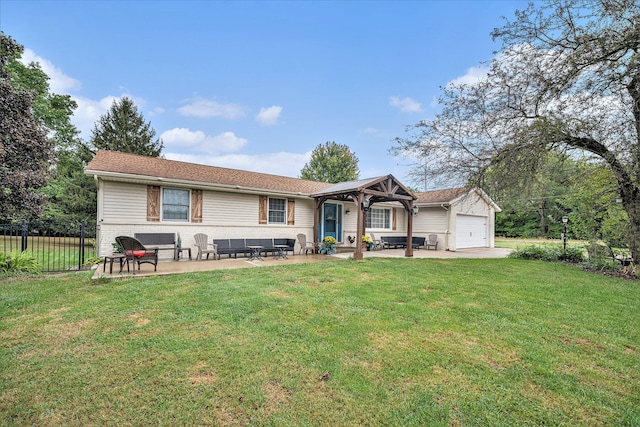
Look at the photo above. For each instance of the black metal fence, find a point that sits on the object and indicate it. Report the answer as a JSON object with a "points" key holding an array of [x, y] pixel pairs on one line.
{"points": [[56, 245]]}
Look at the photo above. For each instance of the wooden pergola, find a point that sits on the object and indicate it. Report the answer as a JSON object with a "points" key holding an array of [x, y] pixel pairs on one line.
{"points": [[364, 193]]}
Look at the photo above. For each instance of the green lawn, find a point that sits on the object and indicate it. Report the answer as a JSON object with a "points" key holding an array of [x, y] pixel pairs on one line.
{"points": [[404, 342]]}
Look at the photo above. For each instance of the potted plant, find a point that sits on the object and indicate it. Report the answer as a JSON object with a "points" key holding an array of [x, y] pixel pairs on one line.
{"points": [[366, 242], [328, 245]]}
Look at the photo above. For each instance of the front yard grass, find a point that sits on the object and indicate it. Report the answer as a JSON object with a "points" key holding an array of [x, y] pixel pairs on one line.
{"points": [[377, 342]]}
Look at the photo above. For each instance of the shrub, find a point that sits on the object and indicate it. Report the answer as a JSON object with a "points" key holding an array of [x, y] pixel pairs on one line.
{"points": [[574, 254], [93, 261], [544, 253], [19, 262]]}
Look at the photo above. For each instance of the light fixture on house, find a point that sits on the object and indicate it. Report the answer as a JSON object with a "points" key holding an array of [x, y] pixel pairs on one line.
{"points": [[366, 203], [415, 209], [347, 211]]}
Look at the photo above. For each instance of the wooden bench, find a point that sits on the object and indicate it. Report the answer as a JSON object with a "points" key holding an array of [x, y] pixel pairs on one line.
{"points": [[161, 241]]}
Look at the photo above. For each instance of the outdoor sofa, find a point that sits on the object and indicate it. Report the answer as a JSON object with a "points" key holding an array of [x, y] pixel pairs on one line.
{"points": [[239, 246], [401, 242]]}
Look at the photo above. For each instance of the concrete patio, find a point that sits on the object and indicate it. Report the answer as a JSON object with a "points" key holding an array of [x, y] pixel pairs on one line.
{"points": [[188, 266]]}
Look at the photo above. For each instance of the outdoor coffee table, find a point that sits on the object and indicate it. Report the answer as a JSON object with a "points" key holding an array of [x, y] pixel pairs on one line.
{"points": [[255, 252], [281, 254], [115, 256]]}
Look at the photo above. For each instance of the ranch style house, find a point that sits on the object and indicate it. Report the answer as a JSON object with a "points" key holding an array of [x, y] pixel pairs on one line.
{"points": [[139, 194]]}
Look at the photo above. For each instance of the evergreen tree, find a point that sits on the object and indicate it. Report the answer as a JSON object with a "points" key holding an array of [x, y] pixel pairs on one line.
{"points": [[124, 129]]}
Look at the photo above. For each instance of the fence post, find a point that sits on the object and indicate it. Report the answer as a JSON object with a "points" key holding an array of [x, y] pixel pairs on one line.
{"points": [[81, 251], [25, 235]]}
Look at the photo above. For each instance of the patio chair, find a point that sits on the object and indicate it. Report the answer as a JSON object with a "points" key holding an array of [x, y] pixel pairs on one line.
{"points": [[304, 245], [135, 251], [375, 243], [202, 243], [432, 242], [380, 244]]}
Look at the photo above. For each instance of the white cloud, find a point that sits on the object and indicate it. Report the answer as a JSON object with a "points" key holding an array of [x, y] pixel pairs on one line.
{"points": [[204, 108], [225, 142], [406, 104], [59, 82], [473, 75], [289, 164], [269, 116]]}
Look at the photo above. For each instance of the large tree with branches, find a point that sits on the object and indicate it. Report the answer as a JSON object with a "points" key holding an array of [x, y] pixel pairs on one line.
{"points": [[567, 79], [25, 148]]}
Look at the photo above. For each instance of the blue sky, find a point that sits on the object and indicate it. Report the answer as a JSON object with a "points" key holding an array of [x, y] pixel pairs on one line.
{"points": [[258, 85]]}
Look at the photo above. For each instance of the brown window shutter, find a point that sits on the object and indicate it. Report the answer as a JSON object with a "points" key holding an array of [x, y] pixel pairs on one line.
{"points": [[291, 211], [196, 206], [393, 218], [264, 208], [153, 203]]}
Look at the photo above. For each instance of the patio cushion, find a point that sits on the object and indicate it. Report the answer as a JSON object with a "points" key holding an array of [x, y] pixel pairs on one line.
{"points": [[138, 254]]}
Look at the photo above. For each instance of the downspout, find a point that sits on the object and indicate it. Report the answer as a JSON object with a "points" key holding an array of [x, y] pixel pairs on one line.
{"points": [[446, 232], [98, 216]]}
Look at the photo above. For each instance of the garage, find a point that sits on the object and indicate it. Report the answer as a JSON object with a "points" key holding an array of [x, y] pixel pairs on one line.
{"points": [[471, 231]]}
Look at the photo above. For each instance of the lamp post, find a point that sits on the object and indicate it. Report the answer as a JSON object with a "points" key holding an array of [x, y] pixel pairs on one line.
{"points": [[565, 219]]}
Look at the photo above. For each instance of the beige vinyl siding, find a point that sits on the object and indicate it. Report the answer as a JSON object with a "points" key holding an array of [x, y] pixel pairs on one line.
{"points": [[430, 221], [472, 204], [124, 203], [304, 213], [222, 208]]}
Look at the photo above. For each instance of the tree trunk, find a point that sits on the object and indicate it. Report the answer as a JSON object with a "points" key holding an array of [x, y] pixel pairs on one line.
{"points": [[542, 224], [633, 210]]}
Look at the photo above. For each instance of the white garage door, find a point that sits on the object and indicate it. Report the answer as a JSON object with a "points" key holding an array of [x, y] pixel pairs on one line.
{"points": [[471, 231]]}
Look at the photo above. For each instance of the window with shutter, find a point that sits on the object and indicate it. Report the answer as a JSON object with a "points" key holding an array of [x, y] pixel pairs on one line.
{"points": [[153, 203], [196, 206], [291, 212], [263, 207]]}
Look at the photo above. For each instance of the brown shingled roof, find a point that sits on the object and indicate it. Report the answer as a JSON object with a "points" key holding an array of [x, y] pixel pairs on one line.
{"points": [[441, 196], [131, 164]]}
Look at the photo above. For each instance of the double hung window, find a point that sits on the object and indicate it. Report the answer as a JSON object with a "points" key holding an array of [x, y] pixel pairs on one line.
{"points": [[277, 211], [378, 218], [175, 204]]}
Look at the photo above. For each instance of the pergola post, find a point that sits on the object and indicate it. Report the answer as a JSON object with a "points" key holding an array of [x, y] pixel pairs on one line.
{"points": [[360, 227], [409, 251], [316, 221]]}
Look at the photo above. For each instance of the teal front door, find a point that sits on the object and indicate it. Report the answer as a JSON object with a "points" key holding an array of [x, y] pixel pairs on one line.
{"points": [[332, 221]]}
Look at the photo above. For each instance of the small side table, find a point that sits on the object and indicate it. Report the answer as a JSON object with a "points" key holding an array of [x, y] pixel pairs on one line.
{"points": [[184, 249], [115, 256], [281, 254], [255, 252]]}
